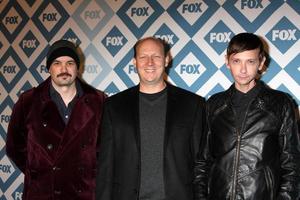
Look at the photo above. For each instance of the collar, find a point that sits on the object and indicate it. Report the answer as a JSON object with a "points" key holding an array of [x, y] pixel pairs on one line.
{"points": [[79, 90]]}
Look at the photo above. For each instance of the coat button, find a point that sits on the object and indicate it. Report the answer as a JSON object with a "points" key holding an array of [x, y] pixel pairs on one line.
{"points": [[57, 192], [49, 146], [81, 170], [55, 168]]}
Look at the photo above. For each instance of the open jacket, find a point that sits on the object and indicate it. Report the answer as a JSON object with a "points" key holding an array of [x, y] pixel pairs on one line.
{"points": [[58, 160], [119, 160], [259, 162]]}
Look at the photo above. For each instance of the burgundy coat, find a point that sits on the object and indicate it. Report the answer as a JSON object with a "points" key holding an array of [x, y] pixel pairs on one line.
{"points": [[58, 161]]}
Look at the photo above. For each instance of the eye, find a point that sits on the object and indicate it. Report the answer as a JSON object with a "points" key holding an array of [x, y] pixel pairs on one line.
{"points": [[252, 62], [157, 57], [235, 61], [71, 63], [142, 57], [55, 62]]}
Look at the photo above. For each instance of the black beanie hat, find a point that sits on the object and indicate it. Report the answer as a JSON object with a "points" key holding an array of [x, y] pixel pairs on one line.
{"points": [[62, 48]]}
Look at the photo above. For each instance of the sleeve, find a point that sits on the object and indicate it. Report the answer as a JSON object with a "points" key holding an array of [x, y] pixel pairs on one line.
{"points": [[200, 170], [16, 141], [290, 154], [105, 159], [202, 164]]}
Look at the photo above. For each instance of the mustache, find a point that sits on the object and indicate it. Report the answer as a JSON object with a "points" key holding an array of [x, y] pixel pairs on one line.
{"points": [[64, 74]]}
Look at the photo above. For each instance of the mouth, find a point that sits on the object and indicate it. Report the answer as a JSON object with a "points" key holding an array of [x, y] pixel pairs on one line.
{"points": [[149, 70], [64, 75], [242, 76]]}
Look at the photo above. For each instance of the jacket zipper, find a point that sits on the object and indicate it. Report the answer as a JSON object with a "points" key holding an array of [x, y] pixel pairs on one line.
{"points": [[237, 155], [236, 164]]}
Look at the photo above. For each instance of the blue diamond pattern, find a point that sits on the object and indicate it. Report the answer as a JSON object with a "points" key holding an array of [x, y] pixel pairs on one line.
{"points": [[24, 88], [30, 2], [12, 36], [91, 50], [114, 41], [111, 89], [295, 5], [22, 69], [283, 35], [104, 21], [71, 1], [18, 191], [243, 21], [119, 69], [191, 47], [222, 35], [71, 36], [293, 68], [283, 88], [139, 31], [165, 33], [38, 66], [31, 44], [218, 88], [227, 73], [62, 12], [192, 29]]}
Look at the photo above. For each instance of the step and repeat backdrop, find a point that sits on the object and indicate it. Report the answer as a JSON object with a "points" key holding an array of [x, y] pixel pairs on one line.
{"points": [[106, 30]]}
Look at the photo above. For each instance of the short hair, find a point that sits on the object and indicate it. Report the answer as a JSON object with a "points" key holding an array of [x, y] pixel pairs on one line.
{"points": [[244, 42], [163, 43]]}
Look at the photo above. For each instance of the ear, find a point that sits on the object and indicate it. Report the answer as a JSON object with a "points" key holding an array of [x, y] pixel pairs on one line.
{"points": [[134, 61], [227, 61], [262, 63], [167, 60]]}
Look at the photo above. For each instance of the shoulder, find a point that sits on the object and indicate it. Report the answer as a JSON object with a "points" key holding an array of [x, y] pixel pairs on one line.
{"points": [[125, 94], [90, 90], [279, 103], [28, 93], [125, 97], [25, 101], [28, 96], [183, 94], [218, 98], [217, 101], [276, 98]]}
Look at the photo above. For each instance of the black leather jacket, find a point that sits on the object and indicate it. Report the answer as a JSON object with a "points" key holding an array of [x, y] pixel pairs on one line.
{"points": [[259, 162]]}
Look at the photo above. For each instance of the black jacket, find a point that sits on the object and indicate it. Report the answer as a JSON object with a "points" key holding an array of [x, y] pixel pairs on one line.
{"points": [[119, 160], [259, 162]]}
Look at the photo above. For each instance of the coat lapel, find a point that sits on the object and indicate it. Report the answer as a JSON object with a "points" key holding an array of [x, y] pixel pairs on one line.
{"points": [[134, 109], [48, 120], [171, 112], [80, 117]]}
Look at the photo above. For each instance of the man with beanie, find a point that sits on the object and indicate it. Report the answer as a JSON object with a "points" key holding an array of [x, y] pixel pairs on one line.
{"points": [[53, 131]]}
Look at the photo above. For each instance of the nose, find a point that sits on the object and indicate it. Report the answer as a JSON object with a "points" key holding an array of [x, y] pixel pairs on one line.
{"points": [[63, 67], [150, 61], [243, 68]]}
